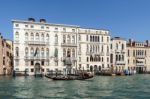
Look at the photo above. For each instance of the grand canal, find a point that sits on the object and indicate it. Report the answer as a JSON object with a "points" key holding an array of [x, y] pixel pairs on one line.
{"points": [[99, 87]]}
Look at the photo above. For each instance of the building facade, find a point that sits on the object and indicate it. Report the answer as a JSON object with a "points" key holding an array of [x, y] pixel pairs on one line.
{"points": [[138, 56], [42, 47], [93, 49], [6, 65], [118, 57]]}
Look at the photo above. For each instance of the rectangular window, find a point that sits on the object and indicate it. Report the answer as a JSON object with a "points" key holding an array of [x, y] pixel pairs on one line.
{"points": [[133, 52], [87, 37], [42, 63], [73, 30], [26, 26], [17, 25], [56, 29], [87, 66], [79, 59], [31, 26], [128, 53], [47, 69], [32, 70], [3, 60], [32, 62], [64, 29], [42, 27], [47, 27]]}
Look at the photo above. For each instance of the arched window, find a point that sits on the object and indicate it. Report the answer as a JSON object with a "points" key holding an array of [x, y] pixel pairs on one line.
{"points": [[102, 39], [26, 36], [98, 38], [102, 59], [87, 48], [37, 37], [56, 52], [42, 52], [90, 48], [116, 57], [91, 58], [93, 39], [73, 52], [32, 37], [17, 51], [93, 48], [111, 46], [68, 39], [99, 58], [64, 38], [47, 38], [73, 39], [64, 52], [47, 52], [122, 46], [68, 53], [37, 52], [119, 57], [122, 57], [17, 35], [42, 37], [56, 39], [102, 49], [32, 52], [117, 46], [107, 39], [90, 38], [107, 49], [26, 51]]}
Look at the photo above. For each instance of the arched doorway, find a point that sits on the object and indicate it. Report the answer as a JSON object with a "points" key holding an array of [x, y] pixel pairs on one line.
{"points": [[91, 68], [100, 68], [95, 67], [37, 69]]}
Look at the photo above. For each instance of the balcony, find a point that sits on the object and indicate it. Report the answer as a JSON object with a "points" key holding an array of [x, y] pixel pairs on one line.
{"points": [[140, 64], [72, 58], [120, 62], [42, 43], [140, 56], [69, 44], [36, 57]]}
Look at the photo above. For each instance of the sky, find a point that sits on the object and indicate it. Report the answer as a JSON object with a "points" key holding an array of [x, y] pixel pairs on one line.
{"points": [[123, 18]]}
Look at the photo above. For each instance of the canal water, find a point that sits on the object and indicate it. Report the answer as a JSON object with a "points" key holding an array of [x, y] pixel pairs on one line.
{"points": [[99, 87]]}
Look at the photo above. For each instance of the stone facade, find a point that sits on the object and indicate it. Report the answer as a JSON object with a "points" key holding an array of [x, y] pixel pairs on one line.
{"points": [[43, 47], [138, 56], [118, 57], [6, 65]]}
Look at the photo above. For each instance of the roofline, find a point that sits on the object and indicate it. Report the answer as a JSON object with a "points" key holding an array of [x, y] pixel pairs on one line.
{"points": [[23, 21], [94, 28]]}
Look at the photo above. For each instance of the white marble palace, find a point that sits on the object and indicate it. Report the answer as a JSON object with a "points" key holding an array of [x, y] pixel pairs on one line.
{"points": [[42, 47]]}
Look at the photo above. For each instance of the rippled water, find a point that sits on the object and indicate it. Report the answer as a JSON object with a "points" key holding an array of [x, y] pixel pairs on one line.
{"points": [[99, 87]]}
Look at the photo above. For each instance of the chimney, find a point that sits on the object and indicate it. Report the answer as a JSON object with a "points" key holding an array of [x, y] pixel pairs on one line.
{"points": [[147, 43], [130, 42], [31, 19], [42, 20]]}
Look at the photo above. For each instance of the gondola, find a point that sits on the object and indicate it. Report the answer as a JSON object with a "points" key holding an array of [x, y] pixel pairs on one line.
{"points": [[70, 78]]}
